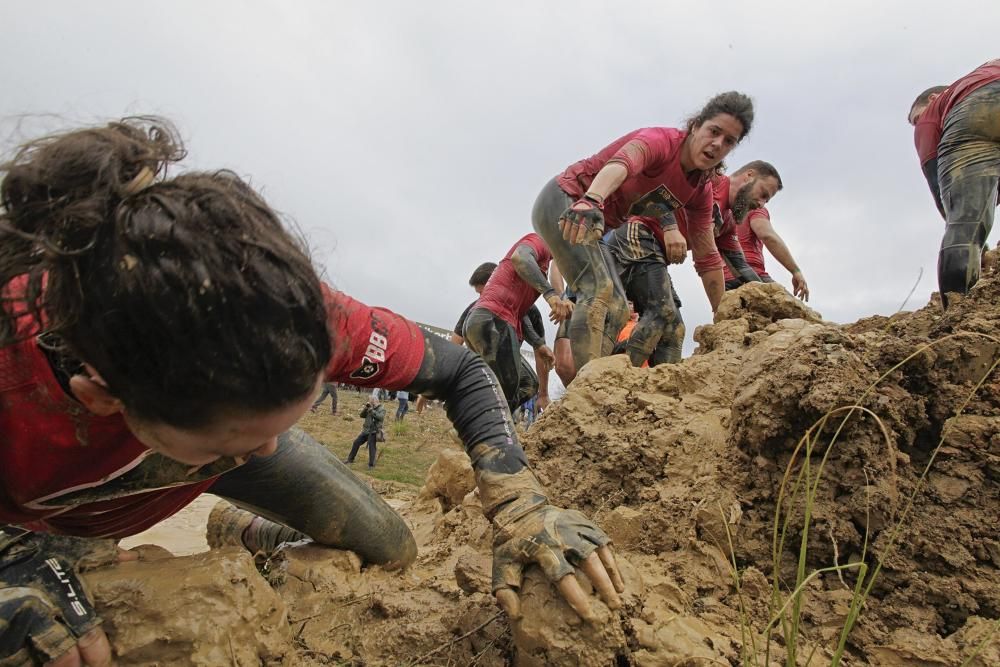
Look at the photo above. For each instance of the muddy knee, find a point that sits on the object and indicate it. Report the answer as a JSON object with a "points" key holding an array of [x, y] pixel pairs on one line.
{"points": [[304, 486]]}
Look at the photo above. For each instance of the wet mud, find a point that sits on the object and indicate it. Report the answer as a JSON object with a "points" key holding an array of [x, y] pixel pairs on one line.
{"points": [[683, 465]]}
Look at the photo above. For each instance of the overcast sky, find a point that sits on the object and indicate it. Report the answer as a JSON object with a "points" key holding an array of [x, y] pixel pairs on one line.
{"points": [[409, 139]]}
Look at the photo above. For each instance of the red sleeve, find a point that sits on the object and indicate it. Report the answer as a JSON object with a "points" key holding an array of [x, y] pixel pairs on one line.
{"points": [[646, 150], [701, 232], [927, 136], [761, 212], [371, 347]]}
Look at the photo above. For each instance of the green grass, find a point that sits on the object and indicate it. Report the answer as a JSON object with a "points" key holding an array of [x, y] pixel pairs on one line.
{"points": [[410, 448], [785, 607]]}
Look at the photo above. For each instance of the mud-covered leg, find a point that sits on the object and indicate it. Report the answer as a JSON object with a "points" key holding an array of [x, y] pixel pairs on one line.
{"points": [[303, 486], [659, 333], [527, 384], [585, 272], [618, 310], [671, 346], [969, 203], [968, 174], [496, 342]]}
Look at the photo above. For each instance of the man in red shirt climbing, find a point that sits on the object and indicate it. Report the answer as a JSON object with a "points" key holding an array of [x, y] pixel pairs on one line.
{"points": [[494, 326], [957, 136], [743, 226]]}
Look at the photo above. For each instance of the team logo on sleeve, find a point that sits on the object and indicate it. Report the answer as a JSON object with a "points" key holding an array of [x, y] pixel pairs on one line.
{"points": [[378, 343]]}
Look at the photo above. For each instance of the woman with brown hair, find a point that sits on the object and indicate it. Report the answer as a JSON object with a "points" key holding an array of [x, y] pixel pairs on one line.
{"points": [[652, 188], [160, 337]]}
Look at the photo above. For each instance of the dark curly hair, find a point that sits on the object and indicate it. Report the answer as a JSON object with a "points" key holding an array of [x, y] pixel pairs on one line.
{"points": [[186, 294], [736, 104]]}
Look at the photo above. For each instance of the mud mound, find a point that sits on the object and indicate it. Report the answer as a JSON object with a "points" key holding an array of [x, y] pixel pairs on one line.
{"points": [[678, 463], [208, 609]]}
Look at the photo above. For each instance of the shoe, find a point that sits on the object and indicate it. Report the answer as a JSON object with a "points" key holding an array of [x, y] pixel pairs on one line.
{"points": [[371, 467], [348, 462]]}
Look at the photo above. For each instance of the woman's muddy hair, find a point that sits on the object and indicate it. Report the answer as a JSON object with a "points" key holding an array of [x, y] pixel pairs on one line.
{"points": [[186, 295], [737, 105]]}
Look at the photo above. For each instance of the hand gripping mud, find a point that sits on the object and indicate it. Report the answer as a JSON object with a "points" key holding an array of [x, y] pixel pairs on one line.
{"points": [[44, 608], [527, 529]]}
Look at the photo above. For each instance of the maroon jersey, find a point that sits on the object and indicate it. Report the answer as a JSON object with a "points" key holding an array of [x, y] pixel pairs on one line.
{"points": [[506, 294], [66, 470], [725, 223], [656, 183], [927, 132], [752, 246]]}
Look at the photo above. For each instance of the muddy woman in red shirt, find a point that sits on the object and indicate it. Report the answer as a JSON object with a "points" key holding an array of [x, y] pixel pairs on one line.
{"points": [[160, 337], [655, 180]]}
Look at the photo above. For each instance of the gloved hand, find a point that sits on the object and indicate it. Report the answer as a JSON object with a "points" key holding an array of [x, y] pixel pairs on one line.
{"points": [[583, 222], [528, 530], [45, 613]]}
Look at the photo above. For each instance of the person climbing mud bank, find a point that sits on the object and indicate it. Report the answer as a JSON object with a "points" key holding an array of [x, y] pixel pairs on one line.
{"points": [[130, 386]]}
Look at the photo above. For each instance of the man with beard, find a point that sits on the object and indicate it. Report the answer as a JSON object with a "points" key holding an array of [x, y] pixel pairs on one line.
{"points": [[748, 190], [957, 135]]}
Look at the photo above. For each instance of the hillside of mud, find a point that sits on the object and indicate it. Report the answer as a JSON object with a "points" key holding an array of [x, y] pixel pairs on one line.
{"points": [[684, 466]]}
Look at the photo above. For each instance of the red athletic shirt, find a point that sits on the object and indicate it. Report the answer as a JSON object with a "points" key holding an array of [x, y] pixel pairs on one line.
{"points": [[506, 294], [725, 224], [753, 247], [65, 470], [927, 133], [655, 179]]}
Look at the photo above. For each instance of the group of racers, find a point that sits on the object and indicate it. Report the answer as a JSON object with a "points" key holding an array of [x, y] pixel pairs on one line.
{"points": [[129, 385]]}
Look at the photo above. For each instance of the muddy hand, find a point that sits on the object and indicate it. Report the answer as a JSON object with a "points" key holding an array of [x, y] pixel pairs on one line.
{"points": [[800, 287], [675, 245], [47, 611], [555, 539]]}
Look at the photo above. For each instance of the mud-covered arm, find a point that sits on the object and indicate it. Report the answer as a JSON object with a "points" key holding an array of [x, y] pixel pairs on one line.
{"points": [[477, 409], [737, 263], [525, 262], [930, 170], [531, 336], [527, 529]]}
